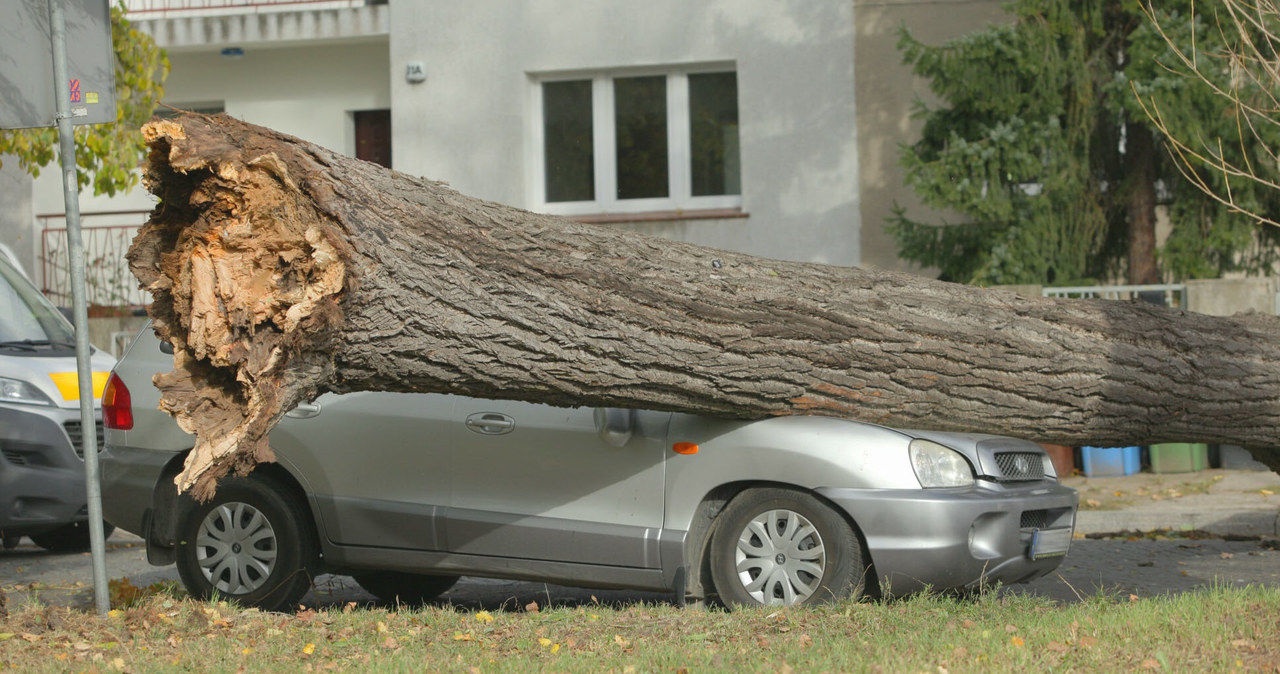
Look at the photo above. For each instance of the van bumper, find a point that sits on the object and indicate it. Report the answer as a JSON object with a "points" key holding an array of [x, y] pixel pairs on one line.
{"points": [[42, 484]]}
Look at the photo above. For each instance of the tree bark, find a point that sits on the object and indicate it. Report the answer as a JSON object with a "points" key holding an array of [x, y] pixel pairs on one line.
{"points": [[280, 270], [1140, 167]]}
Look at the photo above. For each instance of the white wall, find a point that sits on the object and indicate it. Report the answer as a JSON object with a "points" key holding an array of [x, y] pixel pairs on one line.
{"points": [[469, 123], [306, 91]]}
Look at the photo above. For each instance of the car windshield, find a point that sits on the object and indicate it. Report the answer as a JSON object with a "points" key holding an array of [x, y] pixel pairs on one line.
{"points": [[26, 317]]}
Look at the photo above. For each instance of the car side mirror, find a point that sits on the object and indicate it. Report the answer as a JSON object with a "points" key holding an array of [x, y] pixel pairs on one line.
{"points": [[615, 425]]}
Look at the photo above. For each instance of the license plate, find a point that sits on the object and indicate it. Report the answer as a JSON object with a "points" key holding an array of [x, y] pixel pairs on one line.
{"points": [[1049, 543]]}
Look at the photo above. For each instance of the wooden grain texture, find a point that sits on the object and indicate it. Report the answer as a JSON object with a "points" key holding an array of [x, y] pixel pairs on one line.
{"points": [[280, 270]]}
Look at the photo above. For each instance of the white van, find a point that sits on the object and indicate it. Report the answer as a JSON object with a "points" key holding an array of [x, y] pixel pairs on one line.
{"points": [[42, 491]]}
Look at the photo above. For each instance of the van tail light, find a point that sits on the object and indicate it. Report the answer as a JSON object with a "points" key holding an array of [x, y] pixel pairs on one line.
{"points": [[117, 408]]}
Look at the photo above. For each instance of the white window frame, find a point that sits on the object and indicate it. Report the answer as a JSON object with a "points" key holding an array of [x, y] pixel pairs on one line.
{"points": [[680, 187]]}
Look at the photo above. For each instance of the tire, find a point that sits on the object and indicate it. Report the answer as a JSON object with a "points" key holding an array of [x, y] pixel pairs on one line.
{"points": [[780, 547], [251, 544], [404, 588], [69, 538]]}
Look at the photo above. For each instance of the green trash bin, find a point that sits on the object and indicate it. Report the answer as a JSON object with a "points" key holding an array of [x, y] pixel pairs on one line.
{"points": [[1179, 457]]}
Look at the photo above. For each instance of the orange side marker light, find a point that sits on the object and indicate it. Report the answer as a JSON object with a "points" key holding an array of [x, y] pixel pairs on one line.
{"points": [[684, 448]]}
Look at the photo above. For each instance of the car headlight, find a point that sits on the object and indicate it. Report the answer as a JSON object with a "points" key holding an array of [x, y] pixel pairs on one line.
{"points": [[939, 466], [18, 391]]}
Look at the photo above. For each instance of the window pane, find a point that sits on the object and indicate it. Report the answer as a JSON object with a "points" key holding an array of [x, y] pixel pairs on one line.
{"points": [[568, 151], [713, 134], [640, 114]]}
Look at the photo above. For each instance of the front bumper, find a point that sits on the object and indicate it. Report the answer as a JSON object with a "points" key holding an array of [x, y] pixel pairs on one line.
{"points": [[41, 476], [948, 539]]}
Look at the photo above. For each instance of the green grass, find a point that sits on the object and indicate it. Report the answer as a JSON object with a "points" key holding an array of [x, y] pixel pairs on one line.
{"points": [[1214, 630]]}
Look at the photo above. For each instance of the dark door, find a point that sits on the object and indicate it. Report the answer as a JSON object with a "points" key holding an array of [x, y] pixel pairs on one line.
{"points": [[373, 136]]}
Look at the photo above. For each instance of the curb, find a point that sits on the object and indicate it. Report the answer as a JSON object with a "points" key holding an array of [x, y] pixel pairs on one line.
{"points": [[1225, 522]]}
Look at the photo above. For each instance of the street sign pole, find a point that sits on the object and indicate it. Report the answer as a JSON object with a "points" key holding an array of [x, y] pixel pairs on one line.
{"points": [[79, 307]]}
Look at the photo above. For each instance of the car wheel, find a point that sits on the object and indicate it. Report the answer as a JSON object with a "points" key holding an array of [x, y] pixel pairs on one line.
{"points": [[69, 538], [250, 543], [780, 547], [404, 588]]}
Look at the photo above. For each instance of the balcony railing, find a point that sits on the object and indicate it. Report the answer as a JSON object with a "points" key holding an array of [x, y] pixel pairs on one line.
{"points": [[215, 7], [108, 281]]}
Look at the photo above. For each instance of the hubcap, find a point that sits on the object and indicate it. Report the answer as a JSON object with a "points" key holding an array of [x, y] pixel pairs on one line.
{"points": [[236, 548], [780, 558]]}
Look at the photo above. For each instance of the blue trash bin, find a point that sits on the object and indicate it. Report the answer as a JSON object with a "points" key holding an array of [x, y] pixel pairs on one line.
{"points": [[1110, 461]]}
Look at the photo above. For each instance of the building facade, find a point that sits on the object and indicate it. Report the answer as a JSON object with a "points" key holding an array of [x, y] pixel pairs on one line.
{"points": [[760, 126]]}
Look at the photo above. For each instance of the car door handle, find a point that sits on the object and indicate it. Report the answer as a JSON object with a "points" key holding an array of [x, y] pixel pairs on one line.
{"points": [[304, 411], [490, 423]]}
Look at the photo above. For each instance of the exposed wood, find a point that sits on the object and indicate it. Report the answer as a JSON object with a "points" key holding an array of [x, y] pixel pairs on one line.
{"points": [[280, 270]]}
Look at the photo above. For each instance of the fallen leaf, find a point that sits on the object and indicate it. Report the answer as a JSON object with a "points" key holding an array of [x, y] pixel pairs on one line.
{"points": [[1093, 503], [544, 642], [459, 636], [484, 617], [617, 639], [27, 636], [309, 649], [1226, 555], [531, 607], [1133, 597], [967, 624], [382, 627], [555, 648], [390, 643], [1266, 492], [1016, 641]]}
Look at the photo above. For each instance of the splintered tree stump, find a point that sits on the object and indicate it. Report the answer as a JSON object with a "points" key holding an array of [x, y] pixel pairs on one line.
{"points": [[280, 270]]}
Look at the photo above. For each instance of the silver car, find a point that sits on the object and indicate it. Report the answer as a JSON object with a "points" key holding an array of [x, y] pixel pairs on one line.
{"points": [[405, 492]]}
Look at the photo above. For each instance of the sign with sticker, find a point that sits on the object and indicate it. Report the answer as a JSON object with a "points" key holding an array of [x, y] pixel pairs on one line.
{"points": [[28, 97]]}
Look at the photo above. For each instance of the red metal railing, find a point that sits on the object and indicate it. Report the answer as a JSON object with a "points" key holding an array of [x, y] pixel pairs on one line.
{"points": [[108, 281]]}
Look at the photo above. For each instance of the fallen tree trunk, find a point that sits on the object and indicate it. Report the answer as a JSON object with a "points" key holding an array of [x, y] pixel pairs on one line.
{"points": [[280, 270]]}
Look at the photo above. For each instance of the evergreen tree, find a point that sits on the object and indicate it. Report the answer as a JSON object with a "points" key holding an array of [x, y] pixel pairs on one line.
{"points": [[1042, 145], [106, 154]]}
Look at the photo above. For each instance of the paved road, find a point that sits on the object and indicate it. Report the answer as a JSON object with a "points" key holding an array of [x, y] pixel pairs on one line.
{"points": [[1116, 567]]}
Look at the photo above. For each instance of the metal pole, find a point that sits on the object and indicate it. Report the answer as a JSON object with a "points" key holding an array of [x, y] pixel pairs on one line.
{"points": [[79, 308]]}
